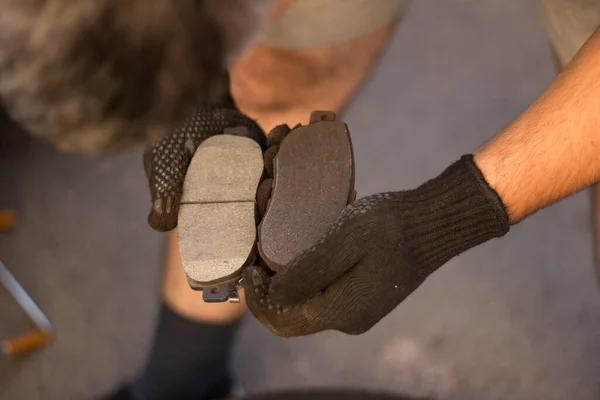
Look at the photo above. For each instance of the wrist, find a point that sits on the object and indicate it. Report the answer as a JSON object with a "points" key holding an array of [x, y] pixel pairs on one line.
{"points": [[508, 172], [454, 212], [489, 167]]}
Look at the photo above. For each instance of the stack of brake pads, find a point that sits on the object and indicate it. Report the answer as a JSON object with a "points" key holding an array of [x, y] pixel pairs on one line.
{"points": [[218, 235]]}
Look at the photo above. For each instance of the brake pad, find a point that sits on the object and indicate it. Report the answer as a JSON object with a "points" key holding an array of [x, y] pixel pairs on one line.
{"points": [[313, 183], [217, 216]]}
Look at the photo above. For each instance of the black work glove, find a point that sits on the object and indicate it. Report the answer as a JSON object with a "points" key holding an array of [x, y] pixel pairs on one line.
{"points": [[380, 250], [166, 162], [263, 193]]}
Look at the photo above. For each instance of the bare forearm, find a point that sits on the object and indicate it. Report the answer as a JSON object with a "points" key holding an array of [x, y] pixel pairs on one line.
{"points": [[553, 148]]}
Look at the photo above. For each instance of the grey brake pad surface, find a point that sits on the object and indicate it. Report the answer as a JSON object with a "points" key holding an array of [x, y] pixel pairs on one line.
{"points": [[313, 183], [217, 222]]}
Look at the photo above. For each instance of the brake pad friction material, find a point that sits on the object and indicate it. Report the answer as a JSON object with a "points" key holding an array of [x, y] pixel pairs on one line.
{"points": [[313, 183], [217, 220], [225, 168]]}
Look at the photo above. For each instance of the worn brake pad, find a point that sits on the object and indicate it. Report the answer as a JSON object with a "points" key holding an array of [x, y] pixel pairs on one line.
{"points": [[313, 182], [217, 215]]}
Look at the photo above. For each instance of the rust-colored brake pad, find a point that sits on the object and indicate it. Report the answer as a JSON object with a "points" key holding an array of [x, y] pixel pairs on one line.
{"points": [[313, 182]]}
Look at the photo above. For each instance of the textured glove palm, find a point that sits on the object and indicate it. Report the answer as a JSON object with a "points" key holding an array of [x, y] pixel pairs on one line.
{"points": [[380, 250]]}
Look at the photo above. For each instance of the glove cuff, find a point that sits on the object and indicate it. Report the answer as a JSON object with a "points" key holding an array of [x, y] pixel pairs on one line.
{"points": [[458, 210]]}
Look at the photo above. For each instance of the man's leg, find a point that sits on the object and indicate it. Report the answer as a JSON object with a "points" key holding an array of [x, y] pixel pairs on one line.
{"points": [[569, 24], [192, 343], [274, 83], [282, 82]]}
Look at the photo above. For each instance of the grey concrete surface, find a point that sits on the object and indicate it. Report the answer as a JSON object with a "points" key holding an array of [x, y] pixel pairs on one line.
{"points": [[517, 318]]}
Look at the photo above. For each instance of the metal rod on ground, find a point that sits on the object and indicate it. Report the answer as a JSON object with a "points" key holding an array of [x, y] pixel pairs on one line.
{"points": [[29, 340], [8, 219]]}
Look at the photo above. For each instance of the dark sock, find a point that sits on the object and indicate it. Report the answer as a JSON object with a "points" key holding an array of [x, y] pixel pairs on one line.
{"points": [[188, 360]]}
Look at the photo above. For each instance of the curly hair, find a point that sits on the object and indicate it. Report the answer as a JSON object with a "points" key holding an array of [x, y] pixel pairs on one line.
{"points": [[98, 75]]}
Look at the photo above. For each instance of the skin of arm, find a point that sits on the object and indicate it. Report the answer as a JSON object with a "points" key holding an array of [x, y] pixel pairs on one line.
{"points": [[552, 149]]}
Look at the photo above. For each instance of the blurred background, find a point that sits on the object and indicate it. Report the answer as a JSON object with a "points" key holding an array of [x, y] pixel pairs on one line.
{"points": [[518, 318]]}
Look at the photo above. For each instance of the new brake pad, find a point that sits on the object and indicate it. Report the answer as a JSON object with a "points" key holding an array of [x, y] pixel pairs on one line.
{"points": [[217, 215], [313, 182]]}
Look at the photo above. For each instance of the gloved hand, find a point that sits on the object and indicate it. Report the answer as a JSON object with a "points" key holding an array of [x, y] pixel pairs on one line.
{"points": [[380, 250], [166, 162]]}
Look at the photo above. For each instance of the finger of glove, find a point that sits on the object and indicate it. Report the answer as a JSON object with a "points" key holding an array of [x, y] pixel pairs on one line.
{"points": [[277, 134], [147, 161], [166, 166], [164, 213], [282, 321], [330, 258], [166, 178], [352, 304], [263, 195], [343, 306], [361, 298], [269, 158]]}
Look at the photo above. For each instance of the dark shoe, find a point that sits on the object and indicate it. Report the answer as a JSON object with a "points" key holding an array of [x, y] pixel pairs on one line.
{"points": [[221, 390], [121, 394]]}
